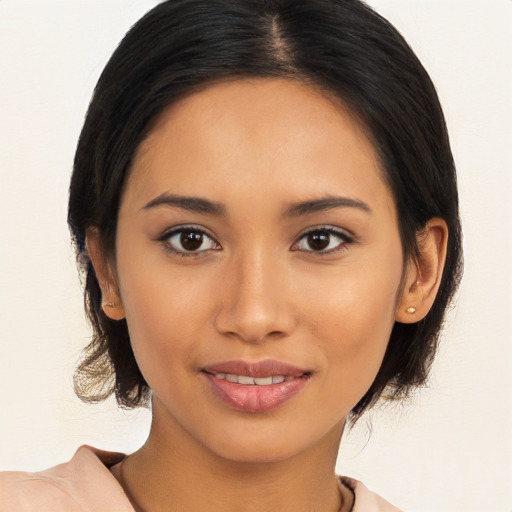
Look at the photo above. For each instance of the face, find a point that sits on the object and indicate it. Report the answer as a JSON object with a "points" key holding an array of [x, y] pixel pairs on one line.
{"points": [[258, 263]]}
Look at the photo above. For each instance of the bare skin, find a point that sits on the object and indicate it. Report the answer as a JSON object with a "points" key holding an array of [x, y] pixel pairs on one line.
{"points": [[295, 257]]}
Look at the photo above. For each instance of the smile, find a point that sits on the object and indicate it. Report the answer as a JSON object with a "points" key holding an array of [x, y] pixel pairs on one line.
{"points": [[255, 387], [247, 380]]}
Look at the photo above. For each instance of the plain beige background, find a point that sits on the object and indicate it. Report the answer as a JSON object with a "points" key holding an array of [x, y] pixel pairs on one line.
{"points": [[448, 451]]}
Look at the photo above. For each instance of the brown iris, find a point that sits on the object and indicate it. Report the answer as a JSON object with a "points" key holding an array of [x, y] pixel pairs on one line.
{"points": [[319, 240], [191, 240]]}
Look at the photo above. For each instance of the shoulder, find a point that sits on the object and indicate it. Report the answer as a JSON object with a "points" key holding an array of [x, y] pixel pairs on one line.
{"points": [[83, 483], [366, 500]]}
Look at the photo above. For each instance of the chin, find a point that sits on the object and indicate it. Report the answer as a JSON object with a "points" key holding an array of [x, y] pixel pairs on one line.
{"points": [[264, 444], [256, 452]]}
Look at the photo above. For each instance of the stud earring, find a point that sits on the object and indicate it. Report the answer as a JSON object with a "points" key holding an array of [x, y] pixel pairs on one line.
{"points": [[411, 310], [109, 304]]}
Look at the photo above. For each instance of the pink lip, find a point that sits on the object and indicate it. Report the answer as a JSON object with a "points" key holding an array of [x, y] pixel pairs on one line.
{"points": [[255, 398], [265, 368]]}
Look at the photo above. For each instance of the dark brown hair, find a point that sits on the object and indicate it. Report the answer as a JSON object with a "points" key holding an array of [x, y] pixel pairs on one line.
{"points": [[340, 46]]}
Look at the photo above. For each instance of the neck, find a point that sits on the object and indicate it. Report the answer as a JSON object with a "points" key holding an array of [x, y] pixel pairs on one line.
{"points": [[173, 468]]}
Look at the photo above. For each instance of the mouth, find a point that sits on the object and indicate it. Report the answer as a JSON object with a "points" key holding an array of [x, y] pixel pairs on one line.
{"points": [[247, 380], [255, 387]]}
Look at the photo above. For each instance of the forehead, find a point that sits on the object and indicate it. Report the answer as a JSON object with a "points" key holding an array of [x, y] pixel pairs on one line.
{"points": [[271, 135]]}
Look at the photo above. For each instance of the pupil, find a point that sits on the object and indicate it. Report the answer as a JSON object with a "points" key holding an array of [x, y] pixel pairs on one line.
{"points": [[318, 241], [191, 240]]}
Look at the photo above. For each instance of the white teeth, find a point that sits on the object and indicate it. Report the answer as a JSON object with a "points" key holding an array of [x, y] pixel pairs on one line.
{"points": [[249, 381], [263, 381]]}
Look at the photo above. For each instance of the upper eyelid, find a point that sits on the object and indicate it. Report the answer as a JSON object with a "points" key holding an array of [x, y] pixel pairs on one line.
{"points": [[183, 227], [327, 227]]}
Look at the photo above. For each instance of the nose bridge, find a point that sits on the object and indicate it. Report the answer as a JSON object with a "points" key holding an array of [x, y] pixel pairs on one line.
{"points": [[256, 302]]}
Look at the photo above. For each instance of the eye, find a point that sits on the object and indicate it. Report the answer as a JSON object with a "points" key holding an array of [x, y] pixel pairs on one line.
{"points": [[322, 240], [187, 241]]}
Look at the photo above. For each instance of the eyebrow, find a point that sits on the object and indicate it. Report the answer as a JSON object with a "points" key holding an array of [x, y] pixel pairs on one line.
{"points": [[191, 204], [324, 203], [201, 205]]}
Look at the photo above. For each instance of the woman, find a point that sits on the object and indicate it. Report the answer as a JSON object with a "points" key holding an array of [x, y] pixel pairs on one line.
{"points": [[264, 205]]}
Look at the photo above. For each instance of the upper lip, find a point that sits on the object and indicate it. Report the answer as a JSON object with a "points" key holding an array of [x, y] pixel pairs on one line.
{"points": [[265, 368]]}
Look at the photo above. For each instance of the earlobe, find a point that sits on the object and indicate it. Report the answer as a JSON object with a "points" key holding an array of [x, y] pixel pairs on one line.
{"points": [[110, 297], [423, 274]]}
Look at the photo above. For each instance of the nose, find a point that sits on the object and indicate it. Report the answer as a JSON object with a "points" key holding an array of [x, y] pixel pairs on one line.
{"points": [[256, 300]]}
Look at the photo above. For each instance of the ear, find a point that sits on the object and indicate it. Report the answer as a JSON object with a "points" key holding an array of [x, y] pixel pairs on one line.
{"points": [[423, 274], [110, 297]]}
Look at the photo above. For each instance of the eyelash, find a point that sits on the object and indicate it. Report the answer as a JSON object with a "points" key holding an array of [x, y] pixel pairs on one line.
{"points": [[165, 237], [180, 230], [341, 235]]}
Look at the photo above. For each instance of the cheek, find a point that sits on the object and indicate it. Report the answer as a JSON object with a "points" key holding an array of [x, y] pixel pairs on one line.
{"points": [[352, 316], [165, 312]]}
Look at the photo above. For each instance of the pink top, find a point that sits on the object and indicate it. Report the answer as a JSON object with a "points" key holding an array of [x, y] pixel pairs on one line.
{"points": [[85, 484]]}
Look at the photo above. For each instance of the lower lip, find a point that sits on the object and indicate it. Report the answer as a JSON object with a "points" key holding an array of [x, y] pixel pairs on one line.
{"points": [[254, 398]]}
